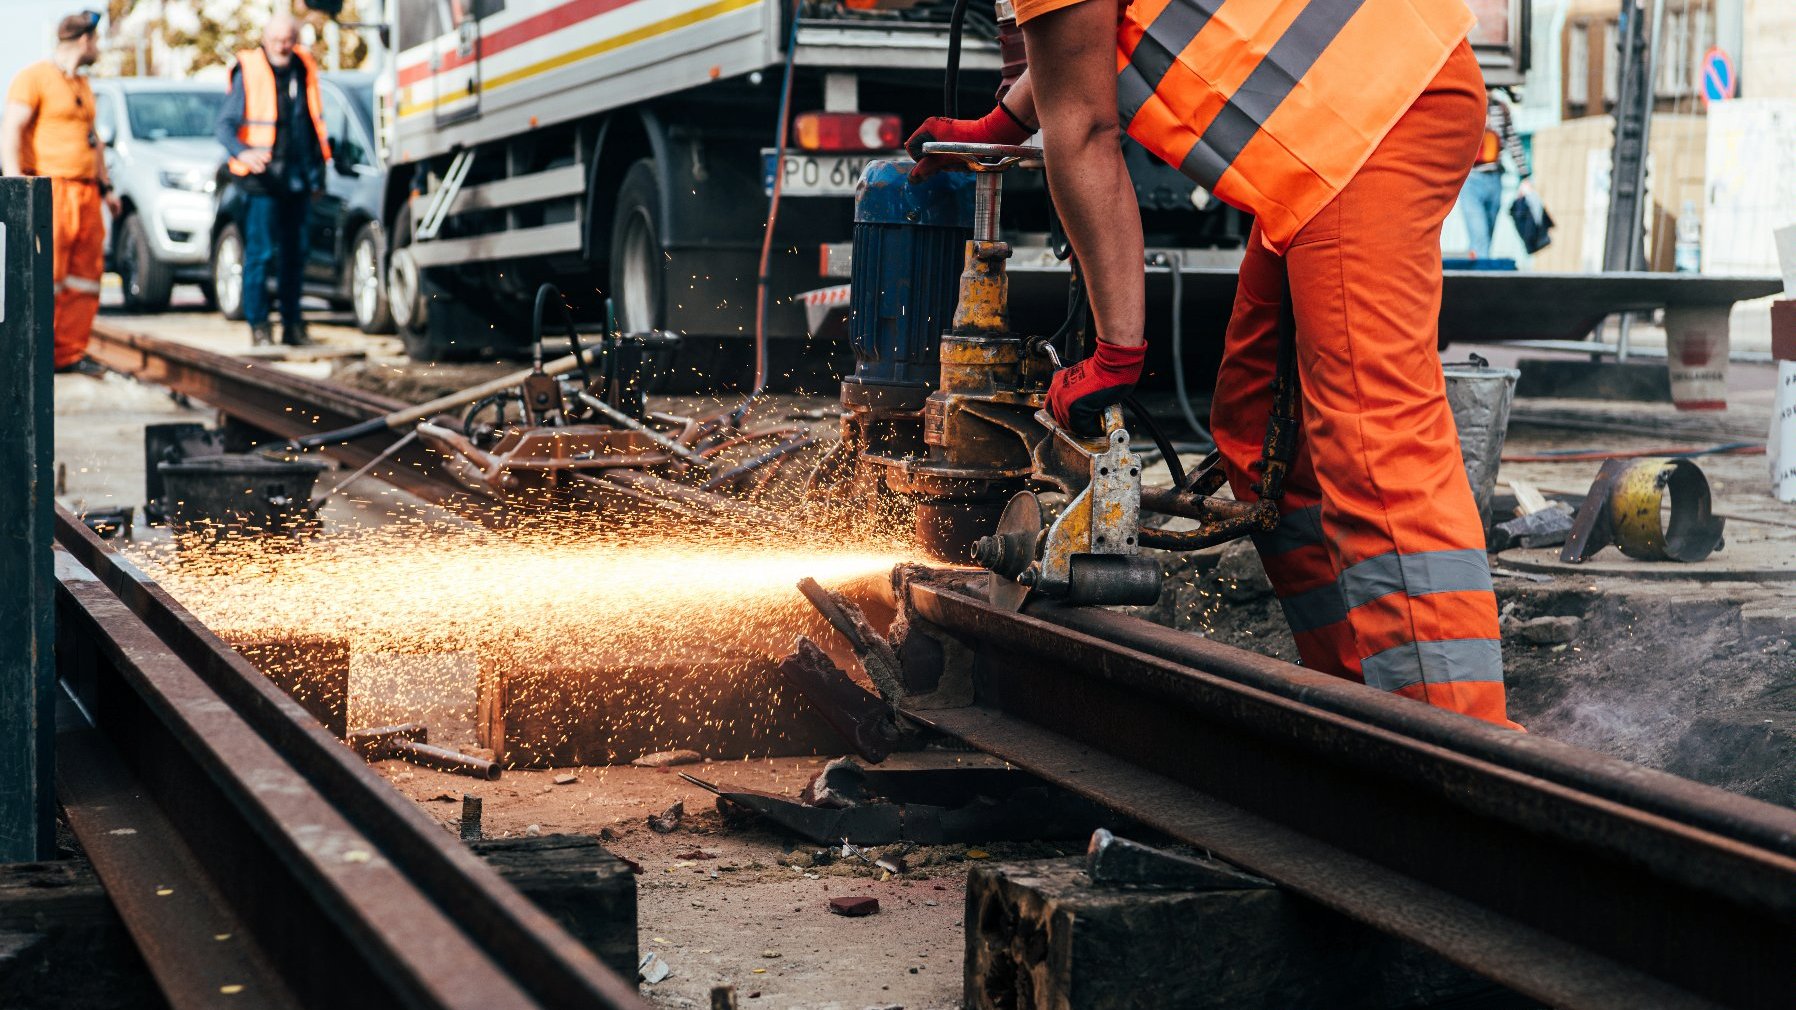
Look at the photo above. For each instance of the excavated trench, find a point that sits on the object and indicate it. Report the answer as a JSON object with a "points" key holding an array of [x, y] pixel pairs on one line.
{"points": [[1697, 679]]}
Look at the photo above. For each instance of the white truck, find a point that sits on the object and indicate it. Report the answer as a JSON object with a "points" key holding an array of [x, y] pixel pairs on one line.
{"points": [[619, 149]]}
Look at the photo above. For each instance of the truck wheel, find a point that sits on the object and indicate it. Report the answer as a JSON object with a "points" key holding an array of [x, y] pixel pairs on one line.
{"points": [[367, 282], [638, 275], [227, 272], [147, 281]]}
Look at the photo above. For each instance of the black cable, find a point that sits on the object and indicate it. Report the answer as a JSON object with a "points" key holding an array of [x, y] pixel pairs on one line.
{"points": [[543, 295], [1167, 449], [957, 22]]}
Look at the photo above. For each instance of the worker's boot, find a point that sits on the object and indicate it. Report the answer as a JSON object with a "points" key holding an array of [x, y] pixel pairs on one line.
{"points": [[261, 335], [293, 334]]}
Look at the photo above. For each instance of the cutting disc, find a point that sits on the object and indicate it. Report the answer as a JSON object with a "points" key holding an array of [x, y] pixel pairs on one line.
{"points": [[1021, 515]]}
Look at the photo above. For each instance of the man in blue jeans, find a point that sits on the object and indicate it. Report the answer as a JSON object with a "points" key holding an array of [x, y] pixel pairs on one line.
{"points": [[1482, 198], [273, 127]]}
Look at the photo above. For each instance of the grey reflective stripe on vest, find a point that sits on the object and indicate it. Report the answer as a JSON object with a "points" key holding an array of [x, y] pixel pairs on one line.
{"points": [[1160, 45], [1416, 575], [1271, 82], [1315, 608], [1457, 660], [1297, 528]]}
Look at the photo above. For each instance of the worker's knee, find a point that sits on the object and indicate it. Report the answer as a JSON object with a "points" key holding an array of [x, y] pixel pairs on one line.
{"points": [[1082, 134]]}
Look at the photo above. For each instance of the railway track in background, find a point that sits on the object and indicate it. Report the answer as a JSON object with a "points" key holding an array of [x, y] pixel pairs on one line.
{"points": [[1572, 878]]}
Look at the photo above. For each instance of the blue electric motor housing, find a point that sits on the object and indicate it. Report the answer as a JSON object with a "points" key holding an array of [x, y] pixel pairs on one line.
{"points": [[909, 246]]}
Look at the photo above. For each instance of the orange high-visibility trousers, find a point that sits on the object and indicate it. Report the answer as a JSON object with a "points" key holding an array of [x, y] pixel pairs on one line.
{"points": [[1379, 560], [79, 259]]}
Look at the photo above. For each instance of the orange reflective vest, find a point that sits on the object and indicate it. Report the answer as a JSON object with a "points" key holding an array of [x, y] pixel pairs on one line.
{"points": [[261, 106], [1273, 105]]}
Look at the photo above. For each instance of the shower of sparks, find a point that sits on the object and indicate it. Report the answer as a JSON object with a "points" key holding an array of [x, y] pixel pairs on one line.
{"points": [[573, 642]]}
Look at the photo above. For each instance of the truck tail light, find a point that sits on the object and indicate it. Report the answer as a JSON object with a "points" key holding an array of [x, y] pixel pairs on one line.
{"points": [[846, 131]]}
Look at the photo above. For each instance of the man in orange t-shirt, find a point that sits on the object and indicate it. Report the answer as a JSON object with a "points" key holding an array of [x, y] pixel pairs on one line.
{"points": [[48, 130]]}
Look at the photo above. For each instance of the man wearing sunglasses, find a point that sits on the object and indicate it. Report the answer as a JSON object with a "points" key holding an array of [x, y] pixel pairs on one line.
{"points": [[48, 130]]}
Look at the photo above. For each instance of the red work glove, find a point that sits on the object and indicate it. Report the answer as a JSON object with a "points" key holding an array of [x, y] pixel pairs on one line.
{"points": [[1078, 396], [995, 127]]}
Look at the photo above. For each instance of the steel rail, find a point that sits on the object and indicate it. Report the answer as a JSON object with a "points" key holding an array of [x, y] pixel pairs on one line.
{"points": [[255, 859], [1573, 878], [277, 402]]}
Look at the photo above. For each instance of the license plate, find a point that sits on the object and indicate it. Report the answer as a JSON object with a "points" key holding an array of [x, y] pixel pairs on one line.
{"points": [[818, 174]]}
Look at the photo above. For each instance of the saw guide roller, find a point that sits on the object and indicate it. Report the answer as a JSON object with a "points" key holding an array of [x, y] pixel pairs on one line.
{"points": [[946, 412]]}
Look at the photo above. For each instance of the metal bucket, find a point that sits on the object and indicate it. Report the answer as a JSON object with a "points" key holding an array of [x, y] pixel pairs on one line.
{"points": [[235, 493], [1480, 397]]}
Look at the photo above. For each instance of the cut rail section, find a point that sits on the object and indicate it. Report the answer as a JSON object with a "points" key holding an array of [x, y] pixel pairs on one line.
{"points": [[255, 859], [1577, 879]]}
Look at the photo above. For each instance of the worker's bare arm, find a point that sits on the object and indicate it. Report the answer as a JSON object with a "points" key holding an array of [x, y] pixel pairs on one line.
{"points": [[13, 123], [1020, 100], [1072, 57]]}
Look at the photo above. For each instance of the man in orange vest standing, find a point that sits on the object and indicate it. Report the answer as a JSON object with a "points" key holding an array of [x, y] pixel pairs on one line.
{"points": [[48, 130], [1346, 127], [272, 125]]}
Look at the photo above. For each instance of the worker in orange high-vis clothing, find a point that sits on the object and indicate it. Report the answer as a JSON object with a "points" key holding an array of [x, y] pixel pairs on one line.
{"points": [[1346, 127], [48, 130]]}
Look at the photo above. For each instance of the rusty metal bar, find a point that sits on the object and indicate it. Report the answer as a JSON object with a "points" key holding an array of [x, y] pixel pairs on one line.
{"points": [[323, 862], [1574, 878]]}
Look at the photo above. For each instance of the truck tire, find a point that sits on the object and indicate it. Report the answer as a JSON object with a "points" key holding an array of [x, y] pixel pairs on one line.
{"points": [[227, 272], [638, 274], [147, 281], [368, 281], [406, 301]]}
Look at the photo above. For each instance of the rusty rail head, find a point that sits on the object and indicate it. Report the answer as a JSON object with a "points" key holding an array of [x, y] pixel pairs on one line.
{"points": [[1573, 877]]}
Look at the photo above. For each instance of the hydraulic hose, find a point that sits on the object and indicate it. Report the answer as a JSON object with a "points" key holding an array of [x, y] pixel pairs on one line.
{"points": [[1175, 265], [1168, 451], [957, 25], [764, 279]]}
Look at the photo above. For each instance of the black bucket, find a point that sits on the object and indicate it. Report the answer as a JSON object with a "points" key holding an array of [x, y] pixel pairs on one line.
{"points": [[240, 493]]}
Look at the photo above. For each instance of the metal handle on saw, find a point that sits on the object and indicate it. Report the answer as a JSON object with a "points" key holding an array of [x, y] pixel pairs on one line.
{"points": [[989, 162], [986, 157]]}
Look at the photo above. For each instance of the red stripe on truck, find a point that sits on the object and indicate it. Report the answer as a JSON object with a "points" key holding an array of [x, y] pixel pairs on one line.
{"points": [[531, 28]]}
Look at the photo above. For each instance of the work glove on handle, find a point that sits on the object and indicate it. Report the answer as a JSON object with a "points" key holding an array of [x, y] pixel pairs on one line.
{"points": [[1079, 395], [995, 127]]}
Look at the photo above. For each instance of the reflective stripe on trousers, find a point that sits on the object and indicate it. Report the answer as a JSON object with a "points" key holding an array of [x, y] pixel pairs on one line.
{"points": [[1379, 559], [79, 259]]}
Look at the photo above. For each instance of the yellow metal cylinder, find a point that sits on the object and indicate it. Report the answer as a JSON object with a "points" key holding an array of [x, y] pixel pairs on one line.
{"points": [[984, 306]]}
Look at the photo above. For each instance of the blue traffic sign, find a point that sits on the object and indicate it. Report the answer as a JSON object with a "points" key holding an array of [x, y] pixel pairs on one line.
{"points": [[1718, 82]]}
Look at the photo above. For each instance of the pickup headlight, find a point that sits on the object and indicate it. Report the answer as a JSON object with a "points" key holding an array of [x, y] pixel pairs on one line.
{"points": [[193, 180]]}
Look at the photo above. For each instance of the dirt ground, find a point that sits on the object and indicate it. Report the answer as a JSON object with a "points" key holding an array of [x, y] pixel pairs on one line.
{"points": [[747, 907]]}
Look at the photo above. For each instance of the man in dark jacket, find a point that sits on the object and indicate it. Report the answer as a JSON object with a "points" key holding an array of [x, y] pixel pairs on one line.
{"points": [[273, 127]]}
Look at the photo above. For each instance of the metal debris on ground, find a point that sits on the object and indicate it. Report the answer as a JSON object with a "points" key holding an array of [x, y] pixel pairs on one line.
{"points": [[566, 780], [930, 806], [668, 821], [863, 720], [1547, 527], [870, 647], [1627, 504], [410, 742], [668, 759]]}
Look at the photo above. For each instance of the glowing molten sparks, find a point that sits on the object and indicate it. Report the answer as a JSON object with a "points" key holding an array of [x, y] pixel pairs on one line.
{"points": [[635, 638]]}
